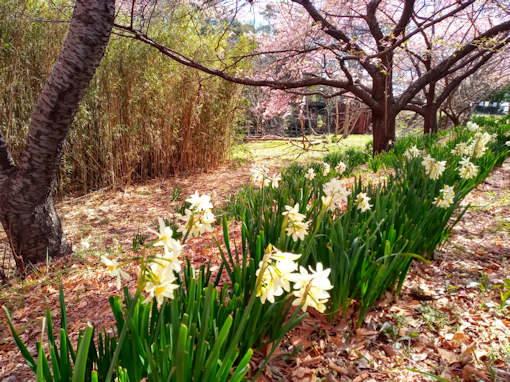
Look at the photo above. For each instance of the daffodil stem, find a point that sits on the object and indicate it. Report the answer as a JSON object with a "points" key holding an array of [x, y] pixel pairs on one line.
{"points": [[127, 322]]}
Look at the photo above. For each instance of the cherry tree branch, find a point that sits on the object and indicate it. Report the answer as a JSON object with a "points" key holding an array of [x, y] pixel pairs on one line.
{"points": [[274, 84]]}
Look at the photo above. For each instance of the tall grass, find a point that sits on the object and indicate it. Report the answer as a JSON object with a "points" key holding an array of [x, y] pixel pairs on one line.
{"points": [[144, 116]]}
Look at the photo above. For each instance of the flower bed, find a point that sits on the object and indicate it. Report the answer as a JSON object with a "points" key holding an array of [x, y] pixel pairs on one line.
{"points": [[310, 238]]}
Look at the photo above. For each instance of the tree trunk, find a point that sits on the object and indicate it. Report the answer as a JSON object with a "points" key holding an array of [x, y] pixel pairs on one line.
{"points": [[27, 212], [430, 120], [383, 118], [383, 130]]}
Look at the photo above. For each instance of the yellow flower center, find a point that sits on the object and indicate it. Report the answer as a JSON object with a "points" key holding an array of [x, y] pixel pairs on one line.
{"points": [[158, 290]]}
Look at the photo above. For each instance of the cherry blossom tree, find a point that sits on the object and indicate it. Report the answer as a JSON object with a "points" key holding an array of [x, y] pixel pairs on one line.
{"points": [[352, 47], [434, 45], [489, 79]]}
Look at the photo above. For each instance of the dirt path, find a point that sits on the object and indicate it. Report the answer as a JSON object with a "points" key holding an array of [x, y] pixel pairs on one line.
{"points": [[448, 320]]}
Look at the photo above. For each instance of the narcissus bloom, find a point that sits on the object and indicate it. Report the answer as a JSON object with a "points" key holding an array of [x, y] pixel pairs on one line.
{"points": [[296, 226], [340, 168], [479, 145], [278, 267], [472, 126], [467, 169], [164, 235], [445, 198], [260, 176], [363, 202], [200, 202], [338, 193], [412, 152], [115, 269], [310, 174], [275, 180], [297, 229], [433, 168], [293, 213], [198, 218], [462, 148], [310, 287], [326, 168], [162, 285]]}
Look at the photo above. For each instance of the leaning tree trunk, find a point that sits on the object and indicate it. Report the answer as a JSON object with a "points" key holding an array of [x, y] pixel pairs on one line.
{"points": [[27, 212]]}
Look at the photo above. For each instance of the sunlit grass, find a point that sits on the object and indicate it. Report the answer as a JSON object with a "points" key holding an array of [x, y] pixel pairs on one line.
{"points": [[280, 152]]}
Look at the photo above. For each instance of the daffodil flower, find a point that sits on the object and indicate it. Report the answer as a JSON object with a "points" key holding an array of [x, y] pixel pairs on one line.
{"points": [[467, 170], [310, 287], [310, 174], [445, 198], [164, 235], [340, 168], [362, 202], [114, 268], [200, 202], [326, 168]]}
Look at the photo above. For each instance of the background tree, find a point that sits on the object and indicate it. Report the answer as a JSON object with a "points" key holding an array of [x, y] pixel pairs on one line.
{"points": [[434, 45], [334, 49], [489, 80]]}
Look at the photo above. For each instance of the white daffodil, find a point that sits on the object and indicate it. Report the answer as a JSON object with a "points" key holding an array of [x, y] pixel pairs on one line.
{"points": [[472, 126], [297, 229], [162, 285], [199, 218], [296, 226], [278, 269], [199, 202], [340, 168], [336, 190], [275, 180], [326, 201], [363, 202], [326, 168], [293, 213], [164, 235], [275, 255], [461, 149], [115, 269], [260, 176], [433, 168], [479, 145], [467, 169], [310, 288], [310, 174], [445, 198], [412, 152], [507, 143]]}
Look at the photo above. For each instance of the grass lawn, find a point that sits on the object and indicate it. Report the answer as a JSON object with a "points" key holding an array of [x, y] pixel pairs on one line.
{"points": [[279, 153]]}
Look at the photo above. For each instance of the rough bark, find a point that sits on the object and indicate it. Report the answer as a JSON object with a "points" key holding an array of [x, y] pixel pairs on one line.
{"points": [[383, 117], [27, 212], [430, 119], [383, 131]]}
